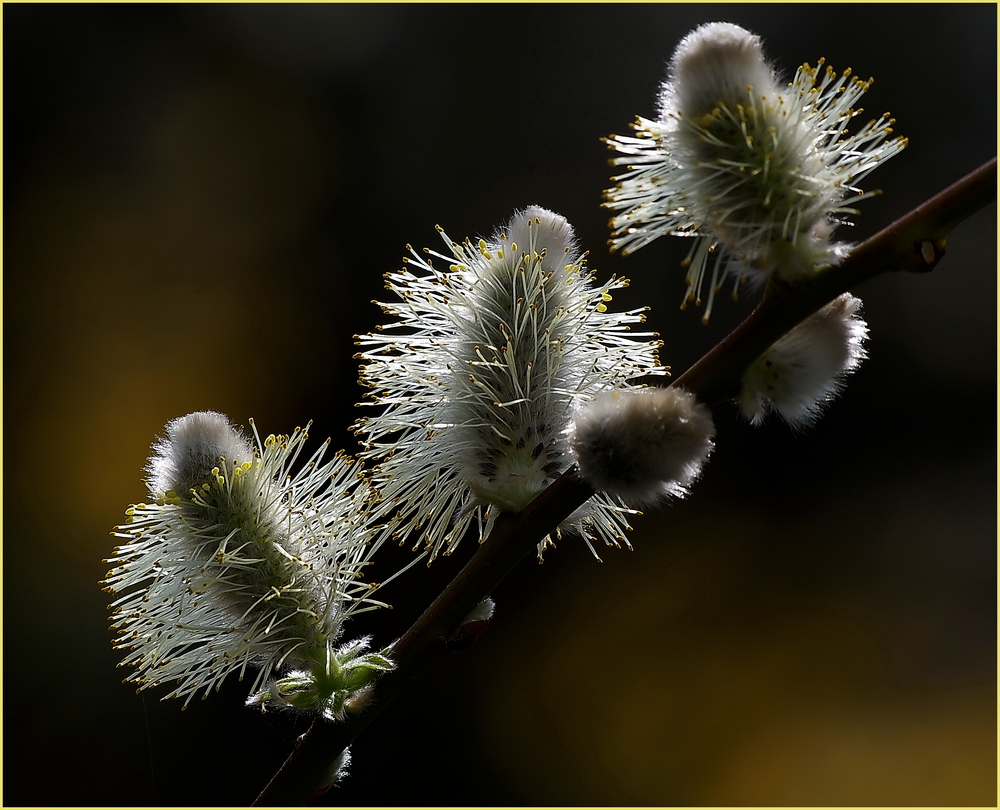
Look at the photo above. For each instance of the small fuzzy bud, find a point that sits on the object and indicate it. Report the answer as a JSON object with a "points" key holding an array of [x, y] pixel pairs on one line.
{"points": [[335, 773], [643, 445], [482, 612], [472, 626], [805, 369]]}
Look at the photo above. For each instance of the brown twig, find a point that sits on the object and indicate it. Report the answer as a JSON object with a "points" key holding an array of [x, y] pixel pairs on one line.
{"points": [[914, 243]]}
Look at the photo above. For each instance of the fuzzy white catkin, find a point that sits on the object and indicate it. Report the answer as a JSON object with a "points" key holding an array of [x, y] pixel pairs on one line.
{"points": [[241, 562], [480, 373], [643, 445], [760, 171], [805, 369]]}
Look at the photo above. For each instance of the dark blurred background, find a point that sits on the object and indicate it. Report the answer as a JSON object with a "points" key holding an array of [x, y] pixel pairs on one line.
{"points": [[200, 202]]}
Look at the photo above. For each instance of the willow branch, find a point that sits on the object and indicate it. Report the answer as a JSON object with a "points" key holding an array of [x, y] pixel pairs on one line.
{"points": [[914, 243]]}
